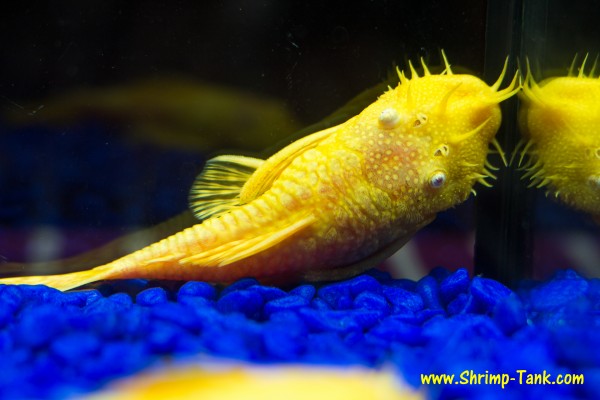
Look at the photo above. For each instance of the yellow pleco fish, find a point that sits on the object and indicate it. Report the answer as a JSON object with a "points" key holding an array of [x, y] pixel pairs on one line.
{"points": [[560, 122], [333, 203], [264, 383]]}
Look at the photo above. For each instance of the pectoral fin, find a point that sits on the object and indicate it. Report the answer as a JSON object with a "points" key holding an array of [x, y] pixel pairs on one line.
{"points": [[239, 249], [217, 189]]}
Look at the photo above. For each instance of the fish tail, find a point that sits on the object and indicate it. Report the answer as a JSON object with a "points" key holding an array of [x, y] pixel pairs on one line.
{"points": [[61, 282]]}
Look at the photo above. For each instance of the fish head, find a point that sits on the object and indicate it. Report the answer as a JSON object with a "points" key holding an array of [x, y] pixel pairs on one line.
{"points": [[561, 121], [439, 129]]}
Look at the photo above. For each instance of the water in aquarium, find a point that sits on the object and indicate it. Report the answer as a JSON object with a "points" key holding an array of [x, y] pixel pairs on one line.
{"points": [[411, 189]]}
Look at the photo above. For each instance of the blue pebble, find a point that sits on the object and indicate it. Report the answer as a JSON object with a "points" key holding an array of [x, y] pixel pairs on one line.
{"points": [[239, 285], [135, 323], [558, 292], [405, 284], [121, 298], [337, 295], [74, 346], [403, 298], [429, 290], [361, 284], [39, 325], [197, 289], [333, 321], [396, 331], [487, 293], [372, 302], [6, 314], [380, 275], [105, 306], [177, 314], [306, 291], [162, 337], [81, 298], [593, 292], [366, 319], [152, 297], [290, 320], [459, 305], [509, 314], [428, 313], [453, 284], [195, 301], [11, 297], [268, 293], [246, 302], [439, 273], [285, 303], [319, 304], [282, 344], [6, 342]]}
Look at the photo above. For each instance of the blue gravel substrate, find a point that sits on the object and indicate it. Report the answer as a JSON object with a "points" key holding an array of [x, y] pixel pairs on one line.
{"points": [[56, 344]]}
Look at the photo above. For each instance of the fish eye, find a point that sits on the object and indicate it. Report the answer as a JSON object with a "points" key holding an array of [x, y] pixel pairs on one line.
{"points": [[389, 118], [437, 180]]}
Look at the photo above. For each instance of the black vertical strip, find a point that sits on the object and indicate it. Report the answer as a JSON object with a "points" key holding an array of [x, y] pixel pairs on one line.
{"points": [[503, 239]]}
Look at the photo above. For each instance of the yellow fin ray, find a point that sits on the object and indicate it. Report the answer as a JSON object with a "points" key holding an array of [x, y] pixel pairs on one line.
{"points": [[243, 248], [217, 189], [270, 170], [61, 282]]}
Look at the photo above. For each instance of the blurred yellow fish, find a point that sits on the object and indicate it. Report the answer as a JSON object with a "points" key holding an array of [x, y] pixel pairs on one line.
{"points": [[261, 383], [177, 113], [335, 202], [560, 121]]}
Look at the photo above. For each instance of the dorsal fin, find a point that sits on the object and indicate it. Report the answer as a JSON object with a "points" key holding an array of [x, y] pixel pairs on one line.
{"points": [[273, 166], [217, 189]]}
